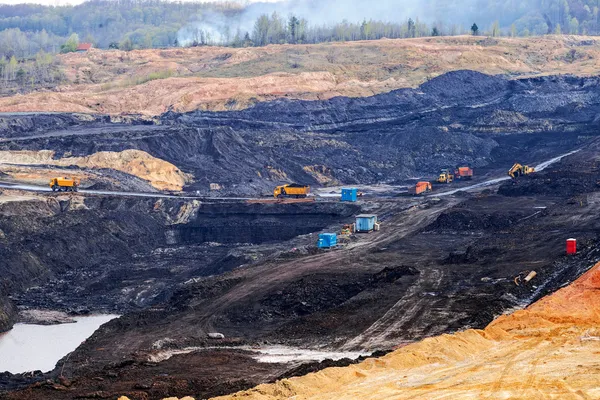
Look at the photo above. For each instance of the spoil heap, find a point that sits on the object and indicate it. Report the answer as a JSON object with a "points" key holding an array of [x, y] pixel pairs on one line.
{"points": [[548, 350]]}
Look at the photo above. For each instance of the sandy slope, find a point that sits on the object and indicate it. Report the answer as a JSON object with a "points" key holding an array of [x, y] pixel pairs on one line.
{"points": [[225, 78], [549, 350], [159, 173]]}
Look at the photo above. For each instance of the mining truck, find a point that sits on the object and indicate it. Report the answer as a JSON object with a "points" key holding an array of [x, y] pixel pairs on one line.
{"points": [[291, 190], [445, 176], [519, 170], [64, 184], [420, 188], [463, 173]]}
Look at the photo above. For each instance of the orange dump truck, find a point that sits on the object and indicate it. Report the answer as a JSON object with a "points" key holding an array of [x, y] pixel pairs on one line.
{"points": [[291, 190], [463, 173], [64, 184], [420, 188]]}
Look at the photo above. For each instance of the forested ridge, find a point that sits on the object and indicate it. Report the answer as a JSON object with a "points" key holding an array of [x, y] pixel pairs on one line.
{"points": [[31, 34]]}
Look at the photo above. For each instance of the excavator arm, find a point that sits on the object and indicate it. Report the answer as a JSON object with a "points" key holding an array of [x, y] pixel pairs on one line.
{"points": [[516, 170]]}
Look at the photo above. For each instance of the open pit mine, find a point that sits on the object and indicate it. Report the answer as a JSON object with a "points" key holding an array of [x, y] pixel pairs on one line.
{"points": [[149, 257]]}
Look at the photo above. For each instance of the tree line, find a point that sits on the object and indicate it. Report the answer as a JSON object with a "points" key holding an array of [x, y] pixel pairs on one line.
{"points": [[27, 29]]}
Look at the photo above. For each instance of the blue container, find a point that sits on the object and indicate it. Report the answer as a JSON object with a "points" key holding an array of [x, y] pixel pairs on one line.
{"points": [[327, 240], [365, 222], [349, 194]]}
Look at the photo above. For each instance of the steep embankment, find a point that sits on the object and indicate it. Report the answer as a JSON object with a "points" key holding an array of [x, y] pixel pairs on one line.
{"points": [[118, 169], [160, 174], [7, 312], [462, 117], [217, 78], [74, 252], [549, 350]]}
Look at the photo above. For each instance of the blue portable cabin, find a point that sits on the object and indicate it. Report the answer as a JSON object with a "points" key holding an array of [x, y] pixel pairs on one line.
{"points": [[349, 194], [327, 240], [365, 222]]}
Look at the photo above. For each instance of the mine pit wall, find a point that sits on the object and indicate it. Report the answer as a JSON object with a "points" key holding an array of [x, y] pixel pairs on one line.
{"points": [[101, 245], [45, 237], [7, 312], [258, 223]]}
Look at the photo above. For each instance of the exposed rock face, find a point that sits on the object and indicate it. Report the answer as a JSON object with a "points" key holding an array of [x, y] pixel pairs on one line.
{"points": [[547, 350], [102, 253], [8, 312], [161, 174], [462, 117]]}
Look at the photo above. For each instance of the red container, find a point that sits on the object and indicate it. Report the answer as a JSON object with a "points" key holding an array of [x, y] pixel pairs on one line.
{"points": [[571, 246]]}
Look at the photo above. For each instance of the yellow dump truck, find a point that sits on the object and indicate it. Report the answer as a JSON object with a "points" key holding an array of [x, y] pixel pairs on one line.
{"points": [[291, 190], [64, 184]]}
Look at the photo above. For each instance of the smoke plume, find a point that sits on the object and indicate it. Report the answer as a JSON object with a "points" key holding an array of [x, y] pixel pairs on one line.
{"points": [[221, 26]]}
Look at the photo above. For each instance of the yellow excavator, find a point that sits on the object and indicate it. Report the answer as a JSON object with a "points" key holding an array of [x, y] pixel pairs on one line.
{"points": [[445, 176], [519, 170]]}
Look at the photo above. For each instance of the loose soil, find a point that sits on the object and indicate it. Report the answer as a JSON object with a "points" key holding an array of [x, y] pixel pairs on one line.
{"points": [[218, 79], [437, 266], [183, 270]]}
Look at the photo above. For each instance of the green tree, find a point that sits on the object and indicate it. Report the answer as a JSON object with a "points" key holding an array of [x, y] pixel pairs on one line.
{"points": [[12, 68], [411, 28], [495, 29], [557, 30], [574, 26], [260, 33], [293, 25], [365, 30], [247, 40], [435, 32], [71, 44], [513, 30], [20, 75], [126, 44], [475, 29]]}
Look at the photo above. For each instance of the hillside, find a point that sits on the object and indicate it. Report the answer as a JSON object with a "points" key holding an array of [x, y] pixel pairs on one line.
{"points": [[548, 350], [151, 82]]}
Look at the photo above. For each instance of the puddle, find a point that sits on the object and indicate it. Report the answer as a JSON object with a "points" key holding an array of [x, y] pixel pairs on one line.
{"points": [[282, 354], [38, 347], [268, 354]]}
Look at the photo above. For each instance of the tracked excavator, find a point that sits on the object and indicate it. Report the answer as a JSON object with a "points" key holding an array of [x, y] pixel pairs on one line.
{"points": [[519, 170]]}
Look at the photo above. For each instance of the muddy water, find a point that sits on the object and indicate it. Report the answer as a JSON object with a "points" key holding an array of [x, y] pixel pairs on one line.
{"points": [[37, 347]]}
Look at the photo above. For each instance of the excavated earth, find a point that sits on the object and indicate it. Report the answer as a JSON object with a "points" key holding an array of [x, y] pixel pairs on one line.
{"points": [[548, 350], [224, 78], [180, 269], [437, 266], [461, 117]]}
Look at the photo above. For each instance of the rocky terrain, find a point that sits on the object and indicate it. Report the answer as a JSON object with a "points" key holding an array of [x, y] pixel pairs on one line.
{"points": [[80, 253], [547, 350], [461, 117], [208, 286], [151, 82], [437, 266], [7, 312]]}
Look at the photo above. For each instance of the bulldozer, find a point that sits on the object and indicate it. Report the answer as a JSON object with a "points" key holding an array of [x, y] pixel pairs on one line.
{"points": [[519, 170], [445, 176]]}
